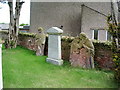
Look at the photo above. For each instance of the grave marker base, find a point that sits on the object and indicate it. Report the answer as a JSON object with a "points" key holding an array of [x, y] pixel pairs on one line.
{"points": [[55, 61]]}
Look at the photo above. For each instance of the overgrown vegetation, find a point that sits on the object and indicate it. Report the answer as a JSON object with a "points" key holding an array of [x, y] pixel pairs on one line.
{"points": [[106, 45], [65, 38], [114, 30], [23, 24], [23, 69], [103, 44], [27, 34]]}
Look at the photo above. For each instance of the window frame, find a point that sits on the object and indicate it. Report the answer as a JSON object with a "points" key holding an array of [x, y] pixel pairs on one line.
{"points": [[93, 34], [98, 37]]}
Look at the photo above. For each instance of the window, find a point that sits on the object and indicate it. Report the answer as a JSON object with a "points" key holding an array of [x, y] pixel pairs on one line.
{"points": [[108, 36], [95, 34], [102, 35]]}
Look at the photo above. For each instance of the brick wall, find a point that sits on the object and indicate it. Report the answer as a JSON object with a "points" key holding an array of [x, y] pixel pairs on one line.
{"points": [[103, 56]]}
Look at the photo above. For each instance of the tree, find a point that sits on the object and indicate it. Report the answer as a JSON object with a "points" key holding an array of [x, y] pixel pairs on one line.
{"points": [[114, 30], [14, 23]]}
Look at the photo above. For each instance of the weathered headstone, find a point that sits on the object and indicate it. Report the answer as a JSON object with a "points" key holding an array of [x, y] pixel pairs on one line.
{"points": [[54, 46], [40, 42], [1, 80], [82, 52]]}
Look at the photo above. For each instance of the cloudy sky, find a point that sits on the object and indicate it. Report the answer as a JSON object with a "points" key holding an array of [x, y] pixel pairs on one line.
{"points": [[24, 17]]}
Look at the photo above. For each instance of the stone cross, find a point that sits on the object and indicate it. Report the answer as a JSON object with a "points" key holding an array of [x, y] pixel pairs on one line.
{"points": [[54, 46], [1, 81]]}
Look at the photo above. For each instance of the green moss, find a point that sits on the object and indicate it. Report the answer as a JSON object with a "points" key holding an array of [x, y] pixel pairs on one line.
{"points": [[27, 34], [106, 44], [4, 31], [67, 39], [102, 44], [40, 29]]}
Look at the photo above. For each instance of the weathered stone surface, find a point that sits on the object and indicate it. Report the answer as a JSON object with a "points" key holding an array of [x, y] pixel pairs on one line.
{"points": [[40, 42], [54, 46], [80, 58], [82, 52], [55, 61], [54, 30], [1, 41], [103, 58]]}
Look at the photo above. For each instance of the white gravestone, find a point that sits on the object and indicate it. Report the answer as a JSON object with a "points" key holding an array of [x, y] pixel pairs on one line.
{"points": [[54, 46], [1, 81]]}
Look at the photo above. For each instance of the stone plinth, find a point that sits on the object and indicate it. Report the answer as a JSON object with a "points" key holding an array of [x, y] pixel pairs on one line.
{"points": [[1, 81], [54, 46]]}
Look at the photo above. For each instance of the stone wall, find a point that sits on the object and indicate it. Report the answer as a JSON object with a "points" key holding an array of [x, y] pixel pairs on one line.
{"points": [[103, 52], [3, 34], [27, 42], [103, 56]]}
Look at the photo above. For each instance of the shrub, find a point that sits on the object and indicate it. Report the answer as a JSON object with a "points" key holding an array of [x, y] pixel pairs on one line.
{"points": [[23, 24], [116, 59]]}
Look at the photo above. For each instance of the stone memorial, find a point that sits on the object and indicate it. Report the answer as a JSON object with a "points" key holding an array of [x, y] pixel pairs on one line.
{"points": [[1, 80], [40, 42], [82, 52], [54, 46]]}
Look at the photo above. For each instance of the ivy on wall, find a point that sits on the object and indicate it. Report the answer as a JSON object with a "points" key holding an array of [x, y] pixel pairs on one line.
{"points": [[104, 44]]}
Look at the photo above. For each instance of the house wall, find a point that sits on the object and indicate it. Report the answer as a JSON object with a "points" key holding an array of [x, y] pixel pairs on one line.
{"points": [[51, 14], [68, 14], [92, 20]]}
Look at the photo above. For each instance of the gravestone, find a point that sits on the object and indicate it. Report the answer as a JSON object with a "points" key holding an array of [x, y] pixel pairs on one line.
{"points": [[82, 52], [1, 80], [40, 42], [54, 46]]}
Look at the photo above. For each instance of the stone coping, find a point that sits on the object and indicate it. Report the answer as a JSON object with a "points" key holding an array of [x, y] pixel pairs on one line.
{"points": [[54, 31]]}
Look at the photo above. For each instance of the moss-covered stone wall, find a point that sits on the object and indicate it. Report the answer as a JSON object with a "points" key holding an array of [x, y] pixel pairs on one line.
{"points": [[103, 52]]}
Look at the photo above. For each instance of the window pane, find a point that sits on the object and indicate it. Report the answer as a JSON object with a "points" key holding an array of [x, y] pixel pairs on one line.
{"points": [[96, 34], [108, 36]]}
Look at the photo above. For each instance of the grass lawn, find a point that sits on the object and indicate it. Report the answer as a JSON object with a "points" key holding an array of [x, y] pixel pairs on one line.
{"points": [[22, 69]]}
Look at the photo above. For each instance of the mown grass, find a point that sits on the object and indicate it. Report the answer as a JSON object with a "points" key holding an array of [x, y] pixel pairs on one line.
{"points": [[22, 69]]}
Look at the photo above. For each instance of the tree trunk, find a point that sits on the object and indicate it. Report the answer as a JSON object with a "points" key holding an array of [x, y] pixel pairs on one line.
{"points": [[11, 25], [14, 24]]}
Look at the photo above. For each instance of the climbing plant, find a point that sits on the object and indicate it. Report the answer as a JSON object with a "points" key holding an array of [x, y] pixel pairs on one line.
{"points": [[114, 30]]}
